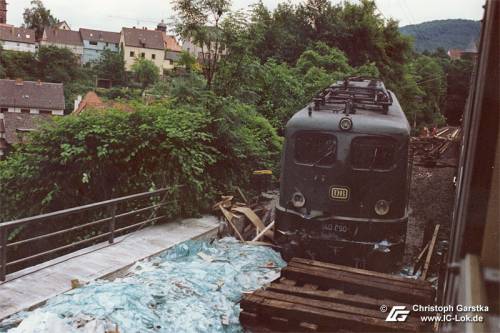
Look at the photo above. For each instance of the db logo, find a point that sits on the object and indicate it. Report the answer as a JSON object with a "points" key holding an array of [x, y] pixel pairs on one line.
{"points": [[398, 313]]}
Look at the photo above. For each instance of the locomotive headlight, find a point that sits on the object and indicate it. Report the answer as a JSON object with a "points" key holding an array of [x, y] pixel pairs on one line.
{"points": [[382, 207], [345, 124], [298, 200]]}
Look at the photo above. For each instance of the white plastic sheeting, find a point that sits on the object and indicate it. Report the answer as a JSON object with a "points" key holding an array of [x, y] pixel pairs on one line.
{"points": [[194, 287]]}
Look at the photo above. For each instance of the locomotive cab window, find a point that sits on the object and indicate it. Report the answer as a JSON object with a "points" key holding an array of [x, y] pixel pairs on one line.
{"points": [[315, 148], [371, 153]]}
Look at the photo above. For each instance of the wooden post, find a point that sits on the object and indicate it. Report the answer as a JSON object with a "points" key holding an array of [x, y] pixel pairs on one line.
{"points": [[427, 263], [3, 253], [112, 224]]}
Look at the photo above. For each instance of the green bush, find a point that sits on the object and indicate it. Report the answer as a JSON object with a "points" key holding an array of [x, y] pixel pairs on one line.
{"points": [[76, 160]]}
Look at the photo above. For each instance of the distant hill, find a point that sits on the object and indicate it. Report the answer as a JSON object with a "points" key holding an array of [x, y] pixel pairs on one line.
{"points": [[448, 34]]}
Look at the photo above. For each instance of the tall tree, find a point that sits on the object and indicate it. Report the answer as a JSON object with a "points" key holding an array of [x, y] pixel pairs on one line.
{"points": [[145, 72], [38, 17], [111, 66], [199, 21], [57, 64]]}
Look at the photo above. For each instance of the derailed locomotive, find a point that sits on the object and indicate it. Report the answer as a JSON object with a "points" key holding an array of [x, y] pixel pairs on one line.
{"points": [[345, 177]]}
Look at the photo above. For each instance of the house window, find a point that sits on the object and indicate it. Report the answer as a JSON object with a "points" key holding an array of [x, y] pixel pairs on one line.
{"points": [[107, 44], [143, 55], [25, 110], [93, 43], [45, 112], [3, 110], [153, 56], [132, 54], [171, 62]]}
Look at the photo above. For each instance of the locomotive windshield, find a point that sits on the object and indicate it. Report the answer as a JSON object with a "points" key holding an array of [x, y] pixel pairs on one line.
{"points": [[372, 153], [315, 148]]}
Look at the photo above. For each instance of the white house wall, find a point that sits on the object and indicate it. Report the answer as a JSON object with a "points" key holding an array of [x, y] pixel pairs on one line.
{"points": [[18, 46], [33, 111]]}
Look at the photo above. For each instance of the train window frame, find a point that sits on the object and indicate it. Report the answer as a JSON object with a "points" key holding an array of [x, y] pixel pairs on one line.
{"points": [[367, 137], [316, 164]]}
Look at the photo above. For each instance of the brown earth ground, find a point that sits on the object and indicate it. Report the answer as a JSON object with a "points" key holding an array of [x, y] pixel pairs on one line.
{"points": [[432, 196]]}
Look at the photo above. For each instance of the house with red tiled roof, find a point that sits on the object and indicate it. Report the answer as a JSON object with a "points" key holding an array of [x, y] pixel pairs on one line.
{"points": [[172, 51], [90, 101], [93, 102], [69, 39]]}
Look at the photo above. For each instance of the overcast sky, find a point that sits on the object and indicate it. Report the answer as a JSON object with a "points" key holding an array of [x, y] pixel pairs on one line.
{"points": [[114, 14]]}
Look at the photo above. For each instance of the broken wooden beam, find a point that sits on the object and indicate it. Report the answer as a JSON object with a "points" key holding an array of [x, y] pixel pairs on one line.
{"points": [[427, 263]]}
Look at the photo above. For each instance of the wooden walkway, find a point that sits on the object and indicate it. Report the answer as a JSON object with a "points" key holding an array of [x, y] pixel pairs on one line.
{"points": [[33, 286]]}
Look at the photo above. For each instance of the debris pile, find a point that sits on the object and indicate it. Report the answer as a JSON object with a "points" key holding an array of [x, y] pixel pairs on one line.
{"points": [[428, 150], [248, 221], [317, 296], [194, 287]]}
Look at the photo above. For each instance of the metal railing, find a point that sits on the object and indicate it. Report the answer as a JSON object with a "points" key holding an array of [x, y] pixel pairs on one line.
{"points": [[111, 219]]}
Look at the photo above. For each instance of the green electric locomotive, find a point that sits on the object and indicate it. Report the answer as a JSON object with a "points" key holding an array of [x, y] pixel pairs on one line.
{"points": [[345, 177]]}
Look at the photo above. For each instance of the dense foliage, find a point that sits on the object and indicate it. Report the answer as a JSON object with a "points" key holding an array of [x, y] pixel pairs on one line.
{"points": [[145, 72], [81, 159], [447, 34]]}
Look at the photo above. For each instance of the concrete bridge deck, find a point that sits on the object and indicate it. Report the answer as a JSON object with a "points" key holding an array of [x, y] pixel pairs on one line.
{"points": [[33, 286]]}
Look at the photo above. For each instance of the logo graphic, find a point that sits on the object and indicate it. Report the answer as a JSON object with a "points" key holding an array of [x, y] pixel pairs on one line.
{"points": [[398, 313], [339, 193]]}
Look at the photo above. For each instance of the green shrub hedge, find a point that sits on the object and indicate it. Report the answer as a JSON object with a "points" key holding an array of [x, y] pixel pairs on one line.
{"points": [[75, 160]]}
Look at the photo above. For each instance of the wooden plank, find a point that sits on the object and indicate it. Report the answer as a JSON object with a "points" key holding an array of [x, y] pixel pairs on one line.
{"points": [[358, 271], [335, 296], [347, 276], [229, 217], [248, 318], [427, 263], [288, 282], [264, 231], [326, 319], [242, 195], [328, 305], [330, 278], [320, 304], [252, 217], [418, 261], [259, 243]]}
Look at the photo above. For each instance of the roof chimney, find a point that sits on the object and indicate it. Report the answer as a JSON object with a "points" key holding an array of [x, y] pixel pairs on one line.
{"points": [[19, 82], [2, 128]]}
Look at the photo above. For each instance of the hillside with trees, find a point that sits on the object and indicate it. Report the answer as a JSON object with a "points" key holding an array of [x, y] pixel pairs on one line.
{"points": [[446, 34]]}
